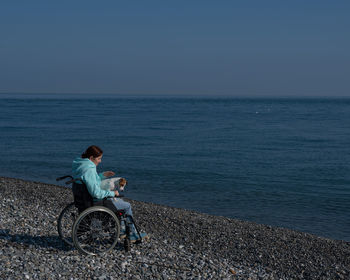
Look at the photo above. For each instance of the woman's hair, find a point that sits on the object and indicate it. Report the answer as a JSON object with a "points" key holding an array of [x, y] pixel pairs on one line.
{"points": [[93, 151]]}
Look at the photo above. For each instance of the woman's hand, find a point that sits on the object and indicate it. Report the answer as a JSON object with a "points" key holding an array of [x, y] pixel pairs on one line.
{"points": [[116, 193], [108, 173]]}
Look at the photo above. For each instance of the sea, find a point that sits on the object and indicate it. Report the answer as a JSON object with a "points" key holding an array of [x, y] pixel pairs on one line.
{"points": [[282, 162]]}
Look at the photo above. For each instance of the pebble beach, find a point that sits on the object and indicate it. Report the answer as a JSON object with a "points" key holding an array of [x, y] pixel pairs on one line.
{"points": [[183, 244]]}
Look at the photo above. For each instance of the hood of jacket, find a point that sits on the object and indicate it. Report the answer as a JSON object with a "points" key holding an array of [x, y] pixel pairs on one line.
{"points": [[80, 166]]}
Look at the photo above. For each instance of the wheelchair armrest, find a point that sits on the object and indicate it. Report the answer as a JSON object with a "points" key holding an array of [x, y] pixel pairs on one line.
{"points": [[121, 195]]}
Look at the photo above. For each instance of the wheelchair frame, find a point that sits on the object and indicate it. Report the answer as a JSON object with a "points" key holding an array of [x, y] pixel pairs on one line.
{"points": [[96, 229]]}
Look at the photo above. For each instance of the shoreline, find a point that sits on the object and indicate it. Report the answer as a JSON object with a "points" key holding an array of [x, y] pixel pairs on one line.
{"points": [[184, 244], [61, 184]]}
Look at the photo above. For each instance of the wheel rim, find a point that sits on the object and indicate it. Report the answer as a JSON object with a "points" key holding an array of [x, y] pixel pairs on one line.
{"points": [[96, 232], [65, 223]]}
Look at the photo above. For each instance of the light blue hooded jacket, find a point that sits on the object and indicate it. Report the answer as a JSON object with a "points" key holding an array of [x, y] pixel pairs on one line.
{"points": [[85, 169]]}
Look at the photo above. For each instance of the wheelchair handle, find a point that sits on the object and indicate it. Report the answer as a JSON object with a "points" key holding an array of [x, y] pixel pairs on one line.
{"points": [[64, 177], [72, 180]]}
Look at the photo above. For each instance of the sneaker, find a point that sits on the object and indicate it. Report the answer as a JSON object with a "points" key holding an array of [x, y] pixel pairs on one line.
{"points": [[135, 237]]}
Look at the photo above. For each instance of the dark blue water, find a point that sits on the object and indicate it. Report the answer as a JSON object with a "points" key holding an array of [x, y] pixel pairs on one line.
{"points": [[282, 162]]}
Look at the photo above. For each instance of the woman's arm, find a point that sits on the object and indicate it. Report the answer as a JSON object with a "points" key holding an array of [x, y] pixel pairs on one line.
{"points": [[106, 174], [93, 185]]}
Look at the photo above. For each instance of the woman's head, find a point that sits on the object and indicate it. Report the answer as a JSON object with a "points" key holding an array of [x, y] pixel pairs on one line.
{"points": [[94, 154]]}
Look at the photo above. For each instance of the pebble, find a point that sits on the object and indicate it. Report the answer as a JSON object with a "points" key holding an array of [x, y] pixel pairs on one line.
{"points": [[183, 244], [233, 271]]}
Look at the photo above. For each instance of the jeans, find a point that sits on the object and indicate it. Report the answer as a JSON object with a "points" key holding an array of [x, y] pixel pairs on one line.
{"points": [[122, 205]]}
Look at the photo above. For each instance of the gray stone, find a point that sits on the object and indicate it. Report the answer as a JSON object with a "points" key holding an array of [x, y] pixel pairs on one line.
{"points": [[197, 246]]}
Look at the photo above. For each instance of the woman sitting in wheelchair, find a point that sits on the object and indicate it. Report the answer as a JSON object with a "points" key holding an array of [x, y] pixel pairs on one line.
{"points": [[84, 168]]}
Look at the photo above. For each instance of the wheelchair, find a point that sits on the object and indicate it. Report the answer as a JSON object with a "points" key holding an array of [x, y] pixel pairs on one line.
{"points": [[93, 227]]}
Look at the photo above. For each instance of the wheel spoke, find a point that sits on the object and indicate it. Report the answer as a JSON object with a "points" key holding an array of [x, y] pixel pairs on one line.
{"points": [[84, 227]]}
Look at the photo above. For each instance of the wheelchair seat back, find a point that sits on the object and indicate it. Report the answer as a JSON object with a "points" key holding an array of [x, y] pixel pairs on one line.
{"points": [[82, 198]]}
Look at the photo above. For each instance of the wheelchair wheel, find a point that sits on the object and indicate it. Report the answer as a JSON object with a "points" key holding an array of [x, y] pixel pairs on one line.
{"points": [[96, 230], [65, 223]]}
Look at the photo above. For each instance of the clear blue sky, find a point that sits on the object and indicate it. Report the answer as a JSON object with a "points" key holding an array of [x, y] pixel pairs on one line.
{"points": [[238, 48]]}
